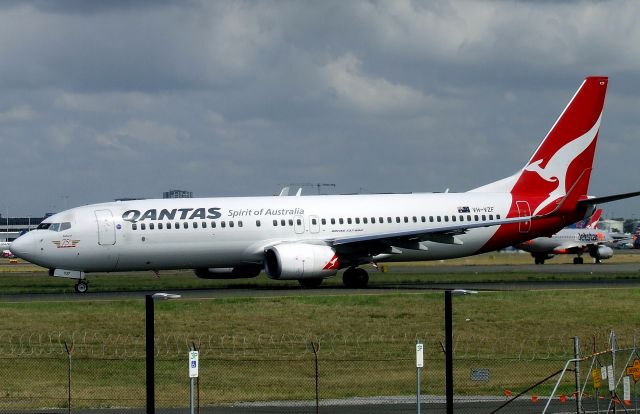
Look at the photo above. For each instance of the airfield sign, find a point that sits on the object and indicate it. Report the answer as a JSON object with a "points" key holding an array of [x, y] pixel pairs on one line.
{"points": [[634, 370], [193, 364], [597, 378]]}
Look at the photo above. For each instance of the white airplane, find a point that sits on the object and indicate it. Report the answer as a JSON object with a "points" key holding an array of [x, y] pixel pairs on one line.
{"points": [[572, 241], [310, 238]]}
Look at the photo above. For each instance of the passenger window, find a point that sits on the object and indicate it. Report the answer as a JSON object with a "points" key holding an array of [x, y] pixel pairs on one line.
{"points": [[159, 226], [423, 219], [204, 224], [461, 218], [357, 220], [439, 219], [349, 220], [333, 221], [431, 219], [168, 226], [469, 217], [446, 218], [275, 223], [475, 217], [490, 216], [497, 216], [231, 224], [223, 224], [415, 219], [373, 220], [299, 222], [239, 223], [143, 226], [365, 220], [185, 225], [257, 223], [314, 221], [406, 219], [380, 220], [453, 218], [195, 225], [484, 218], [341, 221], [213, 224], [134, 226], [291, 222], [397, 219], [324, 222], [389, 220], [177, 226], [283, 222], [151, 226]]}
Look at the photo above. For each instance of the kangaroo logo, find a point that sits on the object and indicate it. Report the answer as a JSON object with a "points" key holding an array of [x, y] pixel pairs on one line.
{"points": [[556, 168]]}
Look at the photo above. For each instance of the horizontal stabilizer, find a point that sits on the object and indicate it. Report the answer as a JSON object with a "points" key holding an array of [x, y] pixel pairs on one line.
{"points": [[607, 199]]}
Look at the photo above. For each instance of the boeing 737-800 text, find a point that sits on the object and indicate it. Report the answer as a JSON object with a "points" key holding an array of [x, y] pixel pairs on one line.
{"points": [[313, 237]]}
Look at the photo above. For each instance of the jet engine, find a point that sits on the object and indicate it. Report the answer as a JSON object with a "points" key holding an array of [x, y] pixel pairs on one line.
{"points": [[239, 272], [602, 252], [297, 261]]}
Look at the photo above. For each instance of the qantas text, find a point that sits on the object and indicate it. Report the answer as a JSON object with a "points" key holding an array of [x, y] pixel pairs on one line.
{"points": [[173, 214]]}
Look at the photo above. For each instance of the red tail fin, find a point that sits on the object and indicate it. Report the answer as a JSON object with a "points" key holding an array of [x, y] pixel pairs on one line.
{"points": [[593, 220], [568, 149]]}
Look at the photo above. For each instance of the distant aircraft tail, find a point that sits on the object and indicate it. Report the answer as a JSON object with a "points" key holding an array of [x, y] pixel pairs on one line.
{"points": [[589, 222], [595, 218], [557, 175]]}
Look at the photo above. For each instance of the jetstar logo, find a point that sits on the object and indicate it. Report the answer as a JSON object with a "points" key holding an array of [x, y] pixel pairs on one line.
{"points": [[333, 264], [202, 213]]}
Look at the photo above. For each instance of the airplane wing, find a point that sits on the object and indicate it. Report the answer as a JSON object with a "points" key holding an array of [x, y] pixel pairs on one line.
{"points": [[411, 239]]}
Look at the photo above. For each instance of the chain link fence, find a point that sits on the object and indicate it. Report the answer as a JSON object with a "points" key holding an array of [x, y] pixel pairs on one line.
{"points": [[267, 373]]}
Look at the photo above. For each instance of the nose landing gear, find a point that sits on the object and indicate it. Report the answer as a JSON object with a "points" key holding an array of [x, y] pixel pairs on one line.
{"points": [[81, 287]]}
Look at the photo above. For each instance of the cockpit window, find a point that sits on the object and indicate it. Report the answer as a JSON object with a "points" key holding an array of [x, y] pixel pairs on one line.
{"points": [[55, 226]]}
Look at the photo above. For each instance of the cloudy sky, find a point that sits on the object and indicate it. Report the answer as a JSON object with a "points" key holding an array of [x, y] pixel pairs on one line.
{"points": [[107, 99]]}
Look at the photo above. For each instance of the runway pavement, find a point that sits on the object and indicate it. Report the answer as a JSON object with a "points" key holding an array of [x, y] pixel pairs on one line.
{"points": [[589, 270]]}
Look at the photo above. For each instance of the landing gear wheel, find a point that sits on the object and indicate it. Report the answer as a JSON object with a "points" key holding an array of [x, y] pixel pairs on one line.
{"points": [[355, 278], [310, 283], [578, 260], [539, 260], [81, 286]]}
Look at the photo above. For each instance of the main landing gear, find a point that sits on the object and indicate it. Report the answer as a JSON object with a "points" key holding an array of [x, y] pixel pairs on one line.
{"points": [[81, 286], [355, 278], [578, 260]]}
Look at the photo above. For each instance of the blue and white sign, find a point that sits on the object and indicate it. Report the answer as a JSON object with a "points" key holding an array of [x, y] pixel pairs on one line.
{"points": [[193, 364]]}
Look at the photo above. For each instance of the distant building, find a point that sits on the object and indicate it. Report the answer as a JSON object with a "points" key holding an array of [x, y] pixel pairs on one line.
{"points": [[611, 226], [11, 227], [177, 194]]}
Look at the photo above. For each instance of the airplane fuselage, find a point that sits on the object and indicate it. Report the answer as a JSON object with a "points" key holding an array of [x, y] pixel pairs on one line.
{"points": [[222, 232]]}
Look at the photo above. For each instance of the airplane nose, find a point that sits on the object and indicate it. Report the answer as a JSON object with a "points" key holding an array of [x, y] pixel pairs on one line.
{"points": [[23, 247]]}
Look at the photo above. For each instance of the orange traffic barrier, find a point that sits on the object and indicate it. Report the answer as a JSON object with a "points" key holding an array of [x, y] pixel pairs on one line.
{"points": [[534, 399], [563, 398], [507, 393]]}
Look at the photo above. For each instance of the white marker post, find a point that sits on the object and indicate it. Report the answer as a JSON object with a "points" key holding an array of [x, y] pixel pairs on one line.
{"points": [[419, 365], [193, 374]]}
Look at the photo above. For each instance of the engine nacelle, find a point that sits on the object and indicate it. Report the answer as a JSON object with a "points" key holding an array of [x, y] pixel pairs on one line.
{"points": [[239, 272], [602, 252], [297, 261]]}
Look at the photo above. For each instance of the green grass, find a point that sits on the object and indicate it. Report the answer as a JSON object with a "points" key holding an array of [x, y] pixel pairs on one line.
{"points": [[257, 349]]}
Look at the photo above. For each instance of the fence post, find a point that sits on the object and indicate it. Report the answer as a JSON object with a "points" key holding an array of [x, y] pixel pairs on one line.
{"points": [[576, 353], [69, 351], [315, 348]]}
